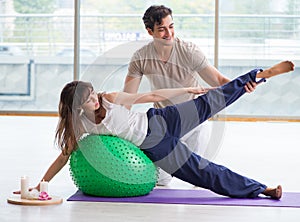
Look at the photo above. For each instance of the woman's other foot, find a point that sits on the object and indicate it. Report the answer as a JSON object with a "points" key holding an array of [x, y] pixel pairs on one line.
{"points": [[280, 68], [274, 193]]}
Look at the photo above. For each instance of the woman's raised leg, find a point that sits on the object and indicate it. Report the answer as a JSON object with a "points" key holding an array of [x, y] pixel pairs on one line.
{"points": [[279, 68], [193, 113]]}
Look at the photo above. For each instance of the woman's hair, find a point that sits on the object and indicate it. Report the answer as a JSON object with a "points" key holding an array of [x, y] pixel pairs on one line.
{"points": [[70, 128], [154, 15]]}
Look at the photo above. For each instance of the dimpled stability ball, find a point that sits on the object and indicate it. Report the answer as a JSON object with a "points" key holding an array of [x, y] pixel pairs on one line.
{"points": [[109, 166]]}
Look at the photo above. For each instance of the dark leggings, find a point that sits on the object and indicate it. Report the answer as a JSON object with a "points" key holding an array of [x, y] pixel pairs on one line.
{"points": [[167, 125]]}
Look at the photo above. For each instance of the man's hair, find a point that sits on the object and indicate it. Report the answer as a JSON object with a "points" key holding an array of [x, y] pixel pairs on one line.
{"points": [[154, 15]]}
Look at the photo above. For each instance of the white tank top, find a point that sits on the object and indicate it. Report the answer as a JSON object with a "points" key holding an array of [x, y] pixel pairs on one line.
{"points": [[121, 122]]}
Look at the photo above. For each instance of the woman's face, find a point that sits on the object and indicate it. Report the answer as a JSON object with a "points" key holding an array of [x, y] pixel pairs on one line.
{"points": [[92, 103]]}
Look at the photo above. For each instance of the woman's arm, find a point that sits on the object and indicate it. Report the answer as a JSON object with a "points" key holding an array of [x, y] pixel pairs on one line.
{"points": [[123, 98], [131, 85], [55, 167]]}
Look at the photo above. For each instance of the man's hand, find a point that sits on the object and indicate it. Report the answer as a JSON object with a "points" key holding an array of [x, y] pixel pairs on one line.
{"points": [[250, 87]]}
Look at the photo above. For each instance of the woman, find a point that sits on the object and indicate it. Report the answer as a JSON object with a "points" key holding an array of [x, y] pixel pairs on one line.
{"points": [[158, 131]]}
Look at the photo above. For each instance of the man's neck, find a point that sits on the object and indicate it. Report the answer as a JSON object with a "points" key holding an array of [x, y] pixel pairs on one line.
{"points": [[163, 51]]}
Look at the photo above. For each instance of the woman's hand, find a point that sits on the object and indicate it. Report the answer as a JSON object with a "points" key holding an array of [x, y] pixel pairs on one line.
{"points": [[30, 189]]}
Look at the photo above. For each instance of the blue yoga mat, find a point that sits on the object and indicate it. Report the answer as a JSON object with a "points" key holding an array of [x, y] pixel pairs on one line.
{"points": [[196, 197]]}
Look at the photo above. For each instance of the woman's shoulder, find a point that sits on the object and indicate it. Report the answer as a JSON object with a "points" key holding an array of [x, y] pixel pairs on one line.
{"points": [[108, 97]]}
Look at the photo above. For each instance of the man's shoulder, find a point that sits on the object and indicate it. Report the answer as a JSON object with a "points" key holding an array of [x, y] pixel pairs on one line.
{"points": [[146, 45], [184, 46], [184, 43], [144, 50]]}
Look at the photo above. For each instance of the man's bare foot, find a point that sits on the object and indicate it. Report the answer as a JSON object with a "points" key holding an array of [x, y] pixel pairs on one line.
{"points": [[280, 68], [274, 193]]}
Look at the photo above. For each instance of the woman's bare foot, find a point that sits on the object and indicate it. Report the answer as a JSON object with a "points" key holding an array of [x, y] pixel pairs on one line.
{"points": [[274, 193], [280, 68]]}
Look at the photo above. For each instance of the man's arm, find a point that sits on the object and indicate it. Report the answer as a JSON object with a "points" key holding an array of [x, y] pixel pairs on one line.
{"points": [[214, 78]]}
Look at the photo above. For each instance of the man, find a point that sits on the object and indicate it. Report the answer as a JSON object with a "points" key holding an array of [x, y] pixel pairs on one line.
{"points": [[169, 62]]}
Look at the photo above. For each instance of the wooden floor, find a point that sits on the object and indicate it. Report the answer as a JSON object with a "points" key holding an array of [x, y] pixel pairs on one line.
{"points": [[266, 151]]}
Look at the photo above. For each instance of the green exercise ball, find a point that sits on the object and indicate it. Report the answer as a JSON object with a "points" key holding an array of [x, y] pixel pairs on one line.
{"points": [[109, 166]]}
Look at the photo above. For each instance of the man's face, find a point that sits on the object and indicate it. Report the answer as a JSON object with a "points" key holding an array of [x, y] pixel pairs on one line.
{"points": [[164, 31]]}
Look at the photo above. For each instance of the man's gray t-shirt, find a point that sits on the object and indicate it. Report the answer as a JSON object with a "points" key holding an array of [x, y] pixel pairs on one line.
{"points": [[181, 70]]}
